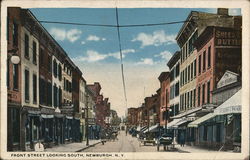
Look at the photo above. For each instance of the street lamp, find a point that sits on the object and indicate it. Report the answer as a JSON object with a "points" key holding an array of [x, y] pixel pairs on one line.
{"points": [[15, 59], [87, 120], [166, 118]]}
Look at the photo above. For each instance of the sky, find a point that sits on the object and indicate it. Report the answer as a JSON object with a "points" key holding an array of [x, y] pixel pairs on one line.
{"points": [[95, 50]]}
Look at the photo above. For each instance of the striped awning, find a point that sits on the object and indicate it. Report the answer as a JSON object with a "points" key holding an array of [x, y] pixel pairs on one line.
{"points": [[197, 122]]}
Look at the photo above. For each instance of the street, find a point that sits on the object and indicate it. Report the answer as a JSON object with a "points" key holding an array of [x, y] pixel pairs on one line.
{"points": [[123, 144]]}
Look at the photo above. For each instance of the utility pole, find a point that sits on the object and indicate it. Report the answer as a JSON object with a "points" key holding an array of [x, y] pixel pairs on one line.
{"points": [[87, 121]]}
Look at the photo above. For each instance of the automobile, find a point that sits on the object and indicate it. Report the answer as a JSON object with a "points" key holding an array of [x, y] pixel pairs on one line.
{"points": [[165, 140], [148, 137]]}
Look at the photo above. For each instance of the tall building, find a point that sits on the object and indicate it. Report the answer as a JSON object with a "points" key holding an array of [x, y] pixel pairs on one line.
{"points": [[174, 67], [189, 32]]}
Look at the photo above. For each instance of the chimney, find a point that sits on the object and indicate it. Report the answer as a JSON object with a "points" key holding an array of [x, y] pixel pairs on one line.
{"points": [[222, 11]]}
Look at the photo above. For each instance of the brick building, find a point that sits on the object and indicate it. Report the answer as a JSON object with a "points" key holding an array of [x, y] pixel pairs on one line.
{"points": [[164, 79]]}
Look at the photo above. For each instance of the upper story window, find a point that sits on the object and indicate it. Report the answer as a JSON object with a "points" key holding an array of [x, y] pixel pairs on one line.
{"points": [[15, 76], [26, 46], [209, 57], [199, 69], [177, 70], [60, 72], [15, 34], [55, 68], [34, 52], [204, 60], [49, 63], [41, 57], [26, 85]]}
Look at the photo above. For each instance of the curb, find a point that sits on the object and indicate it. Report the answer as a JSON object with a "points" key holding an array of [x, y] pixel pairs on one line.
{"points": [[92, 145]]}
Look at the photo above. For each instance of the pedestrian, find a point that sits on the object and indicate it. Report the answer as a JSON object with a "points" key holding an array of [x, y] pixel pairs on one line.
{"points": [[182, 139], [126, 132]]}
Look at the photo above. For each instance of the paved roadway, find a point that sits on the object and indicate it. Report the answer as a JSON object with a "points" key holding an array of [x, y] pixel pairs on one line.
{"points": [[123, 144]]}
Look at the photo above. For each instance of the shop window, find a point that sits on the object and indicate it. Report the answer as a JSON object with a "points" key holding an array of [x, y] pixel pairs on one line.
{"points": [[15, 34], [34, 52], [34, 89], [26, 77], [15, 124], [15, 76], [26, 46], [205, 133]]}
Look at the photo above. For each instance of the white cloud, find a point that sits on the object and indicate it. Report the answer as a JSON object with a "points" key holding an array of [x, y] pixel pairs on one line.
{"points": [[61, 34], [146, 61], [95, 38], [166, 55], [82, 42], [94, 56], [58, 33], [157, 38], [73, 35]]}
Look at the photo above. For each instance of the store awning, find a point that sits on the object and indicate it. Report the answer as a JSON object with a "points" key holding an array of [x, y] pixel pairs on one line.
{"points": [[230, 106], [47, 116], [171, 124], [201, 119], [182, 121], [152, 129], [196, 109], [138, 128]]}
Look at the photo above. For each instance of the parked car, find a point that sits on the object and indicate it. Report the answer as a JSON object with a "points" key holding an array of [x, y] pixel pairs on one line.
{"points": [[147, 137], [165, 140]]}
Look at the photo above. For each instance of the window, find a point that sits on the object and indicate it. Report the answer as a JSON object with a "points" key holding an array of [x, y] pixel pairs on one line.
{"points": [[171, 75], [8, 25], [55, 95], [191, 99], [26, 46], [187, 49], [199, 70], [49, 63], [49, 93], [177, 70], [15, 120], [34, 52], [185, 101], [204, 60], [34, 89], [15, 76], [208, 92], [188, 100], [60, 97], [26, 77], [199, 96], [209, 57], [60, 72], [194, 68], [177, 89], [167, 97], [203, 94], [55, 68], [8, 74], [64, 83], [41, 57], [15, 34], [188, 76], [194, 92]]}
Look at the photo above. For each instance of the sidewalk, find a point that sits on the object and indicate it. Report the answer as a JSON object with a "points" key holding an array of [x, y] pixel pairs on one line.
{"points": [[194, 149], [72, 147]]}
